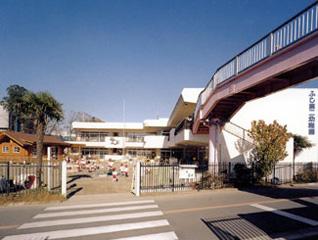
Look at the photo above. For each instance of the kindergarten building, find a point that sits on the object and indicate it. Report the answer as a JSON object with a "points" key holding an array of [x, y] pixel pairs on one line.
{"points": [[171, 140]]}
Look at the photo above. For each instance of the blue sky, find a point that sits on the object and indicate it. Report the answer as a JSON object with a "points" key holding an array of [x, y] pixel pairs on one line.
{"points": [[92, 54]]}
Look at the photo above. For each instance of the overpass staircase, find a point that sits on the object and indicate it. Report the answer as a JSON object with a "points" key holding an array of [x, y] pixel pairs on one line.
{"points": [[245, 144]]}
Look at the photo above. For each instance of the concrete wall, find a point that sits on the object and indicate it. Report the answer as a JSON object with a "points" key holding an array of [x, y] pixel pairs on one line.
{"points": [[289, 107]]}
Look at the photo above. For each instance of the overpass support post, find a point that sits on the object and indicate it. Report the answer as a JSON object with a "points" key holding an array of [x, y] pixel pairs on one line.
{"points": [[214, 132]]}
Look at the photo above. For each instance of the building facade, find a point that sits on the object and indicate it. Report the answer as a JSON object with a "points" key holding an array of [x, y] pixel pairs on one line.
{"points": [[171, 140], [294, 107], [162, 139]]}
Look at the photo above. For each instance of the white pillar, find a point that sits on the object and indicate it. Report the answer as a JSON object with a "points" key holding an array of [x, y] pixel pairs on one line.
{"points": [[64, 178], [137, 179], [213, 148], [49, 168]]}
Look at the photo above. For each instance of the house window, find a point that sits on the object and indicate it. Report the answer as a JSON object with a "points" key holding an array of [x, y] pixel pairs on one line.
{"points": [[33, 150], [16, 149], [5, 149]]}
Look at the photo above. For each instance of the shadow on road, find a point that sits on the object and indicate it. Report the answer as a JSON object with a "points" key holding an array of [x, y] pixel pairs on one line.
{"points": [[278, 192], [73, 192], [78, 176], [270, 224], [265, 225]]}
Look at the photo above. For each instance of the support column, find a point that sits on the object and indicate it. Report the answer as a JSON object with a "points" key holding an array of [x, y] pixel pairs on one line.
{"points": [[214, 132], [137, 178]]}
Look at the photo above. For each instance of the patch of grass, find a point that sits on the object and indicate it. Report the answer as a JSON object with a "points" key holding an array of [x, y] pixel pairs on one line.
{"points": [[30, 197]]}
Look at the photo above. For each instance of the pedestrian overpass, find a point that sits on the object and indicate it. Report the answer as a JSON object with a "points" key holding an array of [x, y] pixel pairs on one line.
{"points": [[286, 56]]}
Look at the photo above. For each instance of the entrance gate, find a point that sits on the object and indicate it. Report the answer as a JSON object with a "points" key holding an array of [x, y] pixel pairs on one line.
{"points": [[170, 178]]}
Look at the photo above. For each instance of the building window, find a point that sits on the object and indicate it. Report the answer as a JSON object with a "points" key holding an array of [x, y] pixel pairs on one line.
{"points": [[16, 149], [33, 150], [5, 149]]}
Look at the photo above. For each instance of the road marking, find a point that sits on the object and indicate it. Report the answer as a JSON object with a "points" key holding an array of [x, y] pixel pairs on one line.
{"points": [[158, 236], [77, 232], [234, 205], [9, 226], [103, 210], [183, 210], [90, 219], [312, 200], [286, 214], [98, 205]]}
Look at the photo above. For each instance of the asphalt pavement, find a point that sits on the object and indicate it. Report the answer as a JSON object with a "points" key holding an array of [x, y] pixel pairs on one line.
{"points": [[254, 213]]}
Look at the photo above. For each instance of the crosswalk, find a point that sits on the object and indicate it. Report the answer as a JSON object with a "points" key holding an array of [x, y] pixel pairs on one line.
{"points": [[130, 220]]}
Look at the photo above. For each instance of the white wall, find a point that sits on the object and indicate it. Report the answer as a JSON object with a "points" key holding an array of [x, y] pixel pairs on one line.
{"points": [[184, 137], [154, 141], [288, 107], [4, 118]]}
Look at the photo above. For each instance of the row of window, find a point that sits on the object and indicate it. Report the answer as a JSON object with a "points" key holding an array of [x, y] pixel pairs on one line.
{"points": [[102, 136], [5, 149]]}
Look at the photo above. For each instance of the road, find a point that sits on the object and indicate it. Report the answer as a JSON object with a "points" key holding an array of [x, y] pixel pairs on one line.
{"points": [[282, 213]]}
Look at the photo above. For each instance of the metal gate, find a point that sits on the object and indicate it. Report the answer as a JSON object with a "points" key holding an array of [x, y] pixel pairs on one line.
{"points": [[155, 178]]}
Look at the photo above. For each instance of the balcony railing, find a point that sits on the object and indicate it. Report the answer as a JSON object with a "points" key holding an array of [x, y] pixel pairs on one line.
{"points": [[290, 32]]}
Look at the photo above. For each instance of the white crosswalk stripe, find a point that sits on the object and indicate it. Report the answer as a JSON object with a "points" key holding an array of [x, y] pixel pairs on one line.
{"points": [[78, 232], [89, 219], [81, 206], [103, 210], [158, 236], [104, 219]]}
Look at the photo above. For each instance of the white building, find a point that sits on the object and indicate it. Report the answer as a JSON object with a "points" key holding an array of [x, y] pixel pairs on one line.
{"points": [[4, 119], [172, 138], [118, 140], [152, 139], [294, 107]]}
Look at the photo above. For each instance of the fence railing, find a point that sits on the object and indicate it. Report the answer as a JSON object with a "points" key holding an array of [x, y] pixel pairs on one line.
{"points": [[163, 178], [169, 178], [290, 32], [299, 172], [21, 178], [238, 131]]}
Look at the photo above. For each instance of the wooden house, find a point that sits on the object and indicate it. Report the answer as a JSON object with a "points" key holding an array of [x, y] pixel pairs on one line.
{"points": [[21, 147]]}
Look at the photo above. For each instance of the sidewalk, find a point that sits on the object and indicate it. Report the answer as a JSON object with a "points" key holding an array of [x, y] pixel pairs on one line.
{"points": [[85, 184]]}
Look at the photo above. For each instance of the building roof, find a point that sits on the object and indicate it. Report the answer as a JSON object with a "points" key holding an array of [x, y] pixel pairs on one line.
{"points": [[160, 122], [184, 106], [30, 139], [107, 125], [150, 123]]}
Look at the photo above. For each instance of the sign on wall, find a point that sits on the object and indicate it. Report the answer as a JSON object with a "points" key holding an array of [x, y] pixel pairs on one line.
{"points": [[187, 173], [311, 115]]}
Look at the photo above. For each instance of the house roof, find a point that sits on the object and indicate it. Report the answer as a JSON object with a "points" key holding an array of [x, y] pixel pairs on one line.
{"points": [[30, 139], [149, 124]]}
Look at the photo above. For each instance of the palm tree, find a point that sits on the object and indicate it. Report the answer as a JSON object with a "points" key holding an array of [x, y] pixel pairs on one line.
{"points": [[40, 108], [43, 108], [300, 143]]}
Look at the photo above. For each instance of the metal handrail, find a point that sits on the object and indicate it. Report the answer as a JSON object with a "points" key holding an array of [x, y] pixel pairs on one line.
{"points": [[290, 32]]}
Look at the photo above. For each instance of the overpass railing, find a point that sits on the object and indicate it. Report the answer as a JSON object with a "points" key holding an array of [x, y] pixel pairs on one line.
{"points": [[290, 32]]}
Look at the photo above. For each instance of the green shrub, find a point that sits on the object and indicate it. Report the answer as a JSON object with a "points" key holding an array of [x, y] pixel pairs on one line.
{"points": [[243, 175], [308, 175]]}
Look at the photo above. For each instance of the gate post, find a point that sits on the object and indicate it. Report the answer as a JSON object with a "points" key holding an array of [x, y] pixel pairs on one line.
{"points": [[173, 178], [137, 178], [64, 178], [8, 178], [49, 168]]}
